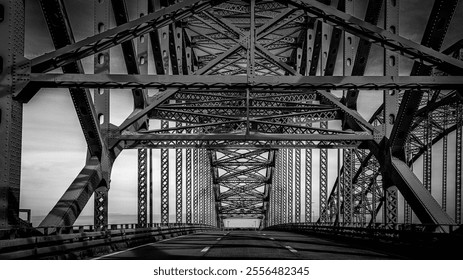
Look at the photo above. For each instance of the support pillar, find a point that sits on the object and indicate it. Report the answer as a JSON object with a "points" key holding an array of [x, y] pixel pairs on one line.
{"points": [[308, 185], [458, 159], [284, 185], [11, 54], [195, 185], [102, 103], [164, 180], [142, 187], [188, 171], [391, 68], [178, 185], [323, 181], [297, 184], [289, 166]]}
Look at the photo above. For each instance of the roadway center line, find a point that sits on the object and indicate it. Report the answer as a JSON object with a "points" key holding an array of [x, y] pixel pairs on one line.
{"points": [[291, 249], [205, 249]]}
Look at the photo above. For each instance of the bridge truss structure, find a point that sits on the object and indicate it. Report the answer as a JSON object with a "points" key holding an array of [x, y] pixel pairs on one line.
{"points": [[256, 99]]}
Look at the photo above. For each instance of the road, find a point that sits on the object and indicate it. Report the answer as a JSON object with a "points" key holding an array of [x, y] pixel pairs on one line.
{"points": [[250, 245]]}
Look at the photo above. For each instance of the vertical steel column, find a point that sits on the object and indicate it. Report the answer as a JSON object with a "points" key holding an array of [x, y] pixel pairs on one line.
{"points": [[279, 200], [284, 195], [142, 179], [290, 185], [407, 208], [195, 185], [338, 188], [362, 153], [210, 202], [101, 102], [347, 191], [188, 169], [297, 185], [391, 68], [458, 158], [202, 187], [427, 156], [164, 180], [150, 193], [178, 183], [11, 54], [179, 187], [142, 59], [444, 158], [270, 210], [323, 180], [308, 185]]}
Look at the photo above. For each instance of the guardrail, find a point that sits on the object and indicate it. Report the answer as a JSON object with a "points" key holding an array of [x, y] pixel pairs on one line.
{"points": [[80, 242], [403, 232]]}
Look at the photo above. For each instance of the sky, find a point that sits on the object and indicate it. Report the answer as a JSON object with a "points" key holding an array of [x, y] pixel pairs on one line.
{"points": [[54, 147]]}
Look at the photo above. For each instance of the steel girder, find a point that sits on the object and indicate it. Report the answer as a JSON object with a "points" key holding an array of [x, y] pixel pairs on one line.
{"points": [[61, 34], [238, 82]]}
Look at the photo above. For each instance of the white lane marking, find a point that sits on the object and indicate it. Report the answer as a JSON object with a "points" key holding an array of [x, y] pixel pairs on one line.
{"points": [[291, 249], [205, 249], [130, 249], [271, 238]]}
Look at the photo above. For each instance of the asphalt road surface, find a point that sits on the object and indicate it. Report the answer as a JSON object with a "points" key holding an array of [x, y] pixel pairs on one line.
{"points": [[250, 245]]}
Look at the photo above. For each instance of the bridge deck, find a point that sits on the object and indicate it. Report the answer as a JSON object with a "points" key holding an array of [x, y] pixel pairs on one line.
{"points": [[252, 245]]}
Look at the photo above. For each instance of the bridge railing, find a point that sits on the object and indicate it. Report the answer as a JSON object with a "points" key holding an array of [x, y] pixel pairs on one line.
{"points": [[78, 242], [404, 232]]}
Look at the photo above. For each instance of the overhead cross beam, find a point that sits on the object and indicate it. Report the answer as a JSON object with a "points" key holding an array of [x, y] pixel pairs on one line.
{"points": [[238, 82]]}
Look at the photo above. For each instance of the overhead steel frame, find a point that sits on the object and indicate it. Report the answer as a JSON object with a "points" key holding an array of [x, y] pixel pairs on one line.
{"points": [[446, 64]]}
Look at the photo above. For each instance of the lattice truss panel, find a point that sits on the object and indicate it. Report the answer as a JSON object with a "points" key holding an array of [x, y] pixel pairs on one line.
{"points": [[239, 85]]}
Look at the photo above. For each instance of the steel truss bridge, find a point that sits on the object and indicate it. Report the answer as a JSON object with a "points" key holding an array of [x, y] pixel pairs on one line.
{"points": [[250, 95]]}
